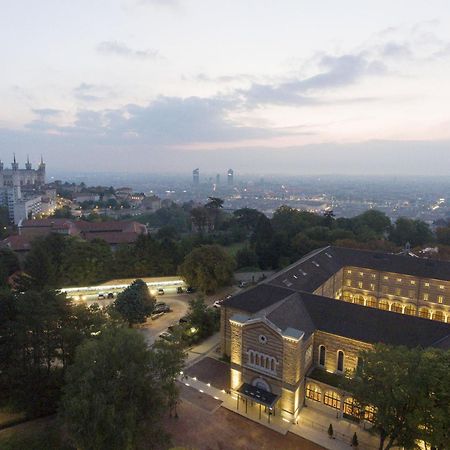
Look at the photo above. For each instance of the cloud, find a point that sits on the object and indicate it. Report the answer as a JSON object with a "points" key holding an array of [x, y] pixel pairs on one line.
{"points": [[47, 112], [92, 92], [334, 72], [121, 49]]}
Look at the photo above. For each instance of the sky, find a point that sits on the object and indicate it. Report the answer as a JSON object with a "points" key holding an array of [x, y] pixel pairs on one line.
{"points": [[277, 86]]}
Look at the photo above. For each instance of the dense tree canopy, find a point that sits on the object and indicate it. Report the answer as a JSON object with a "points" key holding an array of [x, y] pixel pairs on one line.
{"points": [[135, 303], [207, 268], [409, 390], [117, 390]]}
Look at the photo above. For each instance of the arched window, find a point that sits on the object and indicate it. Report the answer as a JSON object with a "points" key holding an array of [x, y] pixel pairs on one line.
{"points": [[410, 310], [272, 364], [340, 361], [424, 313], [252, 357], [372, 302], [257, 359], [322, 356], [397, 307], [313, 392], [369, 412], [383, 304], [359, 300], [347, 296], [439, 315], [351, 408], [332, 399]]}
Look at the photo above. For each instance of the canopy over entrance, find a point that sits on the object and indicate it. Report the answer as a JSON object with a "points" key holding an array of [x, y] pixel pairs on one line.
{"points": [[258, 395]]}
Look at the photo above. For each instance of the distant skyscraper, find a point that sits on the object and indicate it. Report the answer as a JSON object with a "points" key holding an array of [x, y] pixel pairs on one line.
{"points": [[230, 177], [196, 176], [218, 179]]}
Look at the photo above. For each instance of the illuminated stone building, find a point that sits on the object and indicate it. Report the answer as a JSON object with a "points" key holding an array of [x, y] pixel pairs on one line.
{"points": [[290, 338]]}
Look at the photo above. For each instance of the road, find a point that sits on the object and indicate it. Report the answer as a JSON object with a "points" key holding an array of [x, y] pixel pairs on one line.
{"points": [[179, 305]]}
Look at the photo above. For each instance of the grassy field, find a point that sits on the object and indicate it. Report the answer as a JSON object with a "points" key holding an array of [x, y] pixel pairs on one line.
{"points": [[234, 248], [41, 434]]}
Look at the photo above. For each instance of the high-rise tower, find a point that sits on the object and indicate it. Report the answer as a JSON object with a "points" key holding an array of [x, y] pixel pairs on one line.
{"points": [[196, 177], [230, 177]]}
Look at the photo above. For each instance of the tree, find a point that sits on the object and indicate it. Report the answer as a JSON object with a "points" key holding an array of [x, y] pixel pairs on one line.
{"points": [[416, 232], [246, 257], [207, 268], [397, 383], [113, 394], [204, 319], [39, 331], [135, 303], [247, 218]]}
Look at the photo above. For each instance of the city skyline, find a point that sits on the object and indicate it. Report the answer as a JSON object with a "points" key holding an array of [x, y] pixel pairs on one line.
{"points": [[152, 85]]}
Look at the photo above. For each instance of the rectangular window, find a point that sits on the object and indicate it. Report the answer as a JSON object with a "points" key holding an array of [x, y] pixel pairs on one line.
{"points": [[360, 285], [398, 291], [413, 282], [374, 276], [427, 284], [361, 274], [348, 282], [411, 294], [349, 272], [441, 286], [372, 286], [440, 298], [332, 399], [425, 297], [385, 278], [399, 280]]}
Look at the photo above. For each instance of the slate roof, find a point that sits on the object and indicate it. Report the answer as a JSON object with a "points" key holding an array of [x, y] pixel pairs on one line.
{"points": [[257, 298], [314, 269]]}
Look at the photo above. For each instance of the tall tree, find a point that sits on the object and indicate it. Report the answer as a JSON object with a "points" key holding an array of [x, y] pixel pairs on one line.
{"points": [[207, 268], [135, 303], [397, 383], [114, 396]]}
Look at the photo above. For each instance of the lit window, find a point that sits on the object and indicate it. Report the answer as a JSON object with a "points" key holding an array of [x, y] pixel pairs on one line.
{"points": [[396, 307], [351, 408], [360, 284], [322, 355], [361, 274], [369, 413], [425, 297], [383, 304], [439, 315], [348, 282], [349, 272], [374, 276], [410, 310], [385, 278], [332, 399], [399, 280], [372, 302], [441, 286], [427, 284], [440, 299], [398, 291], [340, 361], [424, 313], [413, 282], [313, 392], [372, 287]]}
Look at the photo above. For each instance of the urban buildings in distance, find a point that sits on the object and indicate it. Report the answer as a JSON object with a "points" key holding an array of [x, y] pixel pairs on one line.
{"points": [[23, 191]]}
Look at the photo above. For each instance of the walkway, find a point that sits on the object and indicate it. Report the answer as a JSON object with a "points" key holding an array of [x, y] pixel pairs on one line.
{"points": [[311, 424]]}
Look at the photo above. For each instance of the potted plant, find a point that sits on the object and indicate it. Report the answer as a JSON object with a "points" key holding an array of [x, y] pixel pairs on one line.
{"points": [[355, 442], [330, 431]]}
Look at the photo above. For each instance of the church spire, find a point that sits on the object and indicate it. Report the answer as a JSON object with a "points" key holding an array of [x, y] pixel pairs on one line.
{"points": [[14, 165], [28, 164]]}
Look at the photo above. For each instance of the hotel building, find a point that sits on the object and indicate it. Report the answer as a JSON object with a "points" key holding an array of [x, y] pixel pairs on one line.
{"points": [[292, 337]]}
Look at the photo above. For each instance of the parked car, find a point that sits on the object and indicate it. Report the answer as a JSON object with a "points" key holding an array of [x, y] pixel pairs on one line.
{"points": [[166, 336], [161, 307], [190, 290], [111, 295], [101, 296], [184, 319], [243, 284], [218, 304], [160, 291]]}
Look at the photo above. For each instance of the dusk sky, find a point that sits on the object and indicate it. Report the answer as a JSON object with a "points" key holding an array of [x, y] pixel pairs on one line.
{"points": [[286, 86]]}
